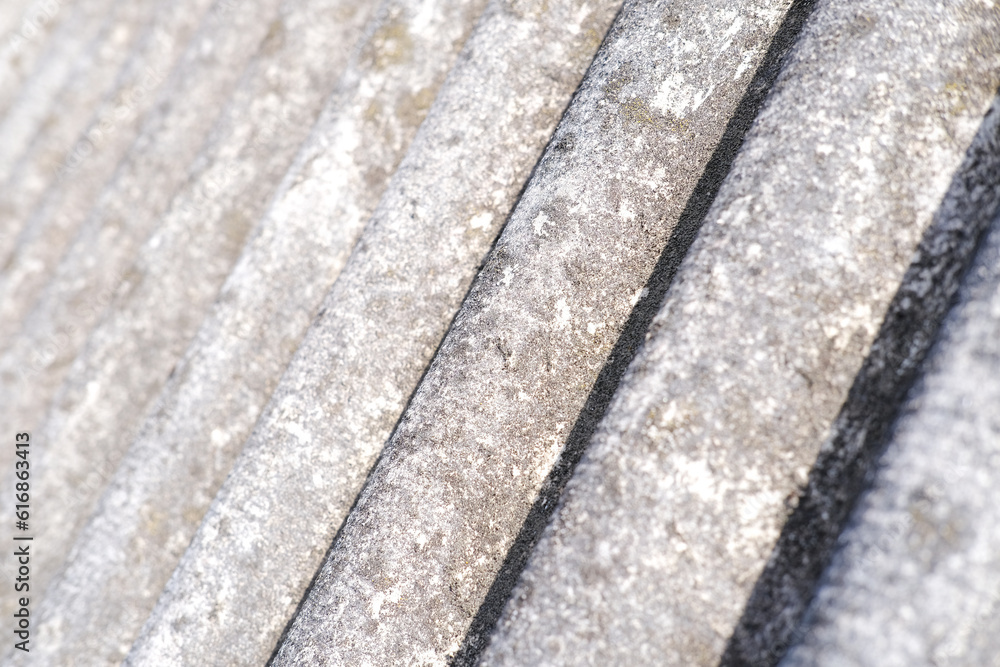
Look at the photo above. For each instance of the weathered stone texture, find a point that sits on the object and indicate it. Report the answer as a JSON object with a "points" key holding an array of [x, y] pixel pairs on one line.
{"points": [[917, 578], [680, 496], [36, 360], [53, 195], [350, 379], [411, 332], [30, 66], [514, 380], [154, 504], [96, 79], [27, 44], [179, 271], [69, 54], [126, 211]]}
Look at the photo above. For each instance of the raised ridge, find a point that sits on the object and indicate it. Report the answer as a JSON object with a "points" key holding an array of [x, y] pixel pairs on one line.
{"points": [[455, 332]]}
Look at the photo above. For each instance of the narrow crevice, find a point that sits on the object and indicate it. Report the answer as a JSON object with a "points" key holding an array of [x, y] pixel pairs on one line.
{"points": [[423, 374], [770, 622], [633, 333]]}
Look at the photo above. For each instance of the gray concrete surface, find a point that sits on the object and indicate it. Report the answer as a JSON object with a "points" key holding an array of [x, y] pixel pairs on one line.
{"points": [[35, 360], [26, 43], [538, 346], [916, 579], [739, 477], [858, 435], [47, 138], [123, 214], [378, 328], [679, 499], [70, 54], [52, 196], [129, 355], [132, 543], [11, 15]]}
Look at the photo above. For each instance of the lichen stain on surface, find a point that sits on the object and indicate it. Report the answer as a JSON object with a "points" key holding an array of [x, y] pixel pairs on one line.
{"points": [[236, 225], [589, 30], [390, 45], [193, 513], [677, 96], [131, 282], [372, 112], [634, 110], [413, 107], [955, 94], [154, 526], [589, 41], [528, 9], [275, 38]]}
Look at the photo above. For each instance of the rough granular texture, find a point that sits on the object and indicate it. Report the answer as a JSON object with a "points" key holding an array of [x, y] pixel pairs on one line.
{"points": [[56, 185], [84, 83], [96, 77], [36, 360], [131, 544], [34, 41], [130, 354], [32, 74], [414, 564], [349, 381], [95, 267], [849, 455], [66, 58], [94, 270], [681, 495], [916, 580]]}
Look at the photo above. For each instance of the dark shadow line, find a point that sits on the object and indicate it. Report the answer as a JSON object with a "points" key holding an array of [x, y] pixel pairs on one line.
{"points": [[437, 349], [770, 623], [633, 334]]}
